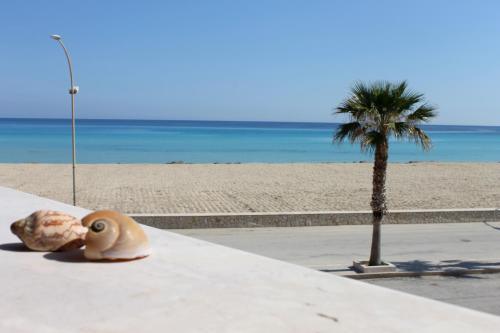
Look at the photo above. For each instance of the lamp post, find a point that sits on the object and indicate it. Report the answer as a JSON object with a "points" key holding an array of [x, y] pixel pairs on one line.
{"points": [[73, 90]]}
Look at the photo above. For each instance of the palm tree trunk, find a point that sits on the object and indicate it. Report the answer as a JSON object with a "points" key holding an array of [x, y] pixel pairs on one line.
{"points": [[378, 202]]}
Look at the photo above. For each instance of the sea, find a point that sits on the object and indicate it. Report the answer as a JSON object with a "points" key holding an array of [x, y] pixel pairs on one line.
{"points": [[177, 141]]}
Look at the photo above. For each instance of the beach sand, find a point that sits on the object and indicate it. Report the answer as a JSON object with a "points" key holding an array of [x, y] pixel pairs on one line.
{"points": [[219, 188]]}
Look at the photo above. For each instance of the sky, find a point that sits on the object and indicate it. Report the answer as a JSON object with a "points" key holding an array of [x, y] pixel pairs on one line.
{"points": [[246, 60]]}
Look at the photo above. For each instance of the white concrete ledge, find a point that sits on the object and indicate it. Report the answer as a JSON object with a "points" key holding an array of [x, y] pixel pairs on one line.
{"points": [[189, 285]]}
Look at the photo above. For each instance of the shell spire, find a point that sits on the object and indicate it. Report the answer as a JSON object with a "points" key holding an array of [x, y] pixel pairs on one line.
{"points": [[48, 230], [114, 236]]}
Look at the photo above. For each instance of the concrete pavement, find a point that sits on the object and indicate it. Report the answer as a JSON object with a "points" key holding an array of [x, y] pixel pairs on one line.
{"points": [[412, 247], [479, 292]]}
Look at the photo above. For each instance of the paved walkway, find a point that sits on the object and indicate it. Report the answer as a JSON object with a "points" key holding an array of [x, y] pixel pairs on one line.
{"points": [[479, 291], [410, 247]]}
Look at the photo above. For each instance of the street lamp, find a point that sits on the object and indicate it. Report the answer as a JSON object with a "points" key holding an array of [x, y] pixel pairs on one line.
{"points": [[73, 90]]}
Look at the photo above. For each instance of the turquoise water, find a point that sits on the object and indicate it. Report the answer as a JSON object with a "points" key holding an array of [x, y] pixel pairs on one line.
{"points": [[139, 141]]}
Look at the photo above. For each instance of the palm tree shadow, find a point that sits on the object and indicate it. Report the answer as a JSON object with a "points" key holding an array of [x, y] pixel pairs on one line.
{"points": [[456, 268], [338, 270], [415, 266], [491, 226], [14, 247]]}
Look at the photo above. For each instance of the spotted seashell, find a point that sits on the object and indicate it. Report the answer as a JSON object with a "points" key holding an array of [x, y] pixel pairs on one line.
{"points": [[48, 230], [114, 236]]}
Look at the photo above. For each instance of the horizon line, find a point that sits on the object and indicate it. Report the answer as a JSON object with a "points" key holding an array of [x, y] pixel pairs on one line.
{"points": [[228, 121]]}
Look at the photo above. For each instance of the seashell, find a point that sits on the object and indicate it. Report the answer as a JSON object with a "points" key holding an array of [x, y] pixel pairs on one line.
{"points": [[114, 236], [49, 230]]}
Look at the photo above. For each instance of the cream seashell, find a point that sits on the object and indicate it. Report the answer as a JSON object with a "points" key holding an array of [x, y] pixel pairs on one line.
{"points": [[48, 230], [114, 236]]}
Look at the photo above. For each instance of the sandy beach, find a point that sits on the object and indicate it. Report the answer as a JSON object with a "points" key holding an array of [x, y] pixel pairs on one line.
{"points": [[209, 188]]}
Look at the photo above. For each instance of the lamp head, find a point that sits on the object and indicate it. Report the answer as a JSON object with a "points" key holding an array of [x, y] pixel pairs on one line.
{"points": [[55, 37]]}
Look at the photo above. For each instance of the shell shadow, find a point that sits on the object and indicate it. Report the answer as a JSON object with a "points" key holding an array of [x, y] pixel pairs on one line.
{"points": [[14, 247], [76, 256], [73, 256]]}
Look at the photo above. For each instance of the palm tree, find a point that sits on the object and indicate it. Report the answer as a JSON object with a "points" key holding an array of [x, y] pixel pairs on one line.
{"points": [[378, 111]]}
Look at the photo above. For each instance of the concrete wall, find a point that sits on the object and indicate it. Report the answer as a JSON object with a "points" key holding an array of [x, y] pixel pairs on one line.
{"points": [[299, 219]]}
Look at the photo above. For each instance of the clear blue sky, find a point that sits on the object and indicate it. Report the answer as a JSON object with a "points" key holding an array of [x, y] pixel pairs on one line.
{"points": [[246, 60]]}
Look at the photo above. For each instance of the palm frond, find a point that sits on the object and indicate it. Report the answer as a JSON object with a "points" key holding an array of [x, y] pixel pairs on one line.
{"points": [[424, 113], [398, 129], [380, 109], [361, 103], [351, 131], [417, 135], [400, 88]]}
